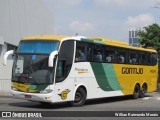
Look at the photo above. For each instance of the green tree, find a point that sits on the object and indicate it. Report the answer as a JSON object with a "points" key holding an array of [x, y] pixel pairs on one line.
{"points": [[150, 36]]}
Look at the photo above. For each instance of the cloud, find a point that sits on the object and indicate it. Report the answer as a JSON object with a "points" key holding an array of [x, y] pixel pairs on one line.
{"points": [[113, 17], [81, 27], [140, 20]]}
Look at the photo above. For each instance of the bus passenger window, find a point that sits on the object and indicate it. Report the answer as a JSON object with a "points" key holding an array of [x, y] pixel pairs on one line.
{"points": [[80, 55], [80, 52], [121, 59], [97, 53], [110, 55], [149, 58], [154, 58], [88, 58], [132, 58], [142, 58], [98, 56], [122, 56], [108, 58]]}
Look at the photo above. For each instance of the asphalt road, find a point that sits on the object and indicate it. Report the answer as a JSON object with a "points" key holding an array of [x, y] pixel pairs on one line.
{"points": [[151, 102]]}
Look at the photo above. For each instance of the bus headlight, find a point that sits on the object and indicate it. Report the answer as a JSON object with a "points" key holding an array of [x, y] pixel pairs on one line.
{"points": [[46, 91]]}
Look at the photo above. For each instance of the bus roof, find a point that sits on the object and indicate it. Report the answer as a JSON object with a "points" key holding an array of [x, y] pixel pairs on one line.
{"points": [[121, 44], [45, 37], [96, 40]]}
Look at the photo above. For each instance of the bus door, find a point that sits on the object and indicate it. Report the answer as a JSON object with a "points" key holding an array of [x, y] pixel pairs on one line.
{"points": [[64, 77]]}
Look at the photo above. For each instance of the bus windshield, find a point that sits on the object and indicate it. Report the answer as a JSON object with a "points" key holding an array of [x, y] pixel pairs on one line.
{"points": [[32, 69], [37, 46], [31, 62]]}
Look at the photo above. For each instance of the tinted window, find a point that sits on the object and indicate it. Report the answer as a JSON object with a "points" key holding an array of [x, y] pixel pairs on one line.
{"points": [[80, 52], [122, 56], [154, 58], [133, 57], [65, 60], [110, 54], [97, 53], [37, 46], [142, 58], [149, 59]]}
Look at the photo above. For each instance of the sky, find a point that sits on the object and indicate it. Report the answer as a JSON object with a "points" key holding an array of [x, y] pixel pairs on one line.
{"points": [[110, 19]]}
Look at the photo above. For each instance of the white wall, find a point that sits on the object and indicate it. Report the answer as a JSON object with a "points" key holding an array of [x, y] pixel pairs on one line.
{"points": [[20, 18], [5, 78]]}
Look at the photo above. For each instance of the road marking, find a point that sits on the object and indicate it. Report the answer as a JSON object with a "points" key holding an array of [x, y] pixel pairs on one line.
{"points": [[146, 98]]}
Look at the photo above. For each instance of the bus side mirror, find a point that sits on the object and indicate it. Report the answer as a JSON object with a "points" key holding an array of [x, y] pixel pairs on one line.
{"points": [[6, 56], [51, 58]]}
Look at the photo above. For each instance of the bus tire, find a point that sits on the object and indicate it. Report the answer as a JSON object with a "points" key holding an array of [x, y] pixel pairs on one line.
{"points": [[136, 91], [143, 91], [80, 97]]}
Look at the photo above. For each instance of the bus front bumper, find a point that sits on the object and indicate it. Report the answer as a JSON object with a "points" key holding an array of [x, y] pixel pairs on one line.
{"points": [[38, 97]]}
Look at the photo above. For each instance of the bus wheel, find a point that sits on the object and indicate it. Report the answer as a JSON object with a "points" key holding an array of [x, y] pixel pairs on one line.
{"points": [[143, 91], [80, 97], [136, 92]]}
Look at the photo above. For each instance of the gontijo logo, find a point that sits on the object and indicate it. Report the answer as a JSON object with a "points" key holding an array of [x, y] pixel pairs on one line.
{"points": [[81, 70], [127, 70], [64, 94]]}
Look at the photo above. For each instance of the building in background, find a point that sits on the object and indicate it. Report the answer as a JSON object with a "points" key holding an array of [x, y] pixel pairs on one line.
{"points": [[133, 36], [19, 18]]}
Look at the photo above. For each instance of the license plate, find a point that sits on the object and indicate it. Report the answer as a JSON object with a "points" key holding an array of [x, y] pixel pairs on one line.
{"points": [[28, 96]]}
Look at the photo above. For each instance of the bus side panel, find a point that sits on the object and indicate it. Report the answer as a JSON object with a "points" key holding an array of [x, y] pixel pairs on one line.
{"points": [[105, 80], [93, 76], [129, 75]]}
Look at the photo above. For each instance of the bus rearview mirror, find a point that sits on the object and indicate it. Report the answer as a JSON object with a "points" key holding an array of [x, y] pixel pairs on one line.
{"points": [[51, 58], [6, 56]]}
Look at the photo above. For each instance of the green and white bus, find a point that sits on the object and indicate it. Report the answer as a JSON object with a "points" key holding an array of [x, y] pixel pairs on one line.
{"points": [[51, 69]]}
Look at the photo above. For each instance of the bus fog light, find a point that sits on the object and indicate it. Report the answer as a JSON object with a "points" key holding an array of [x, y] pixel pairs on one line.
{"points": [[46, 91]]}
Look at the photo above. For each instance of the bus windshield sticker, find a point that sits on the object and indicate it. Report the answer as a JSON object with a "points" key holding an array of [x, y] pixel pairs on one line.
{"points": [[33, 57]]}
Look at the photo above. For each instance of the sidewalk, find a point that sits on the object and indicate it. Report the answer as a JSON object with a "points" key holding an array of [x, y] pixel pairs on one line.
{"points": [[5, 93], [5, 96]]}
